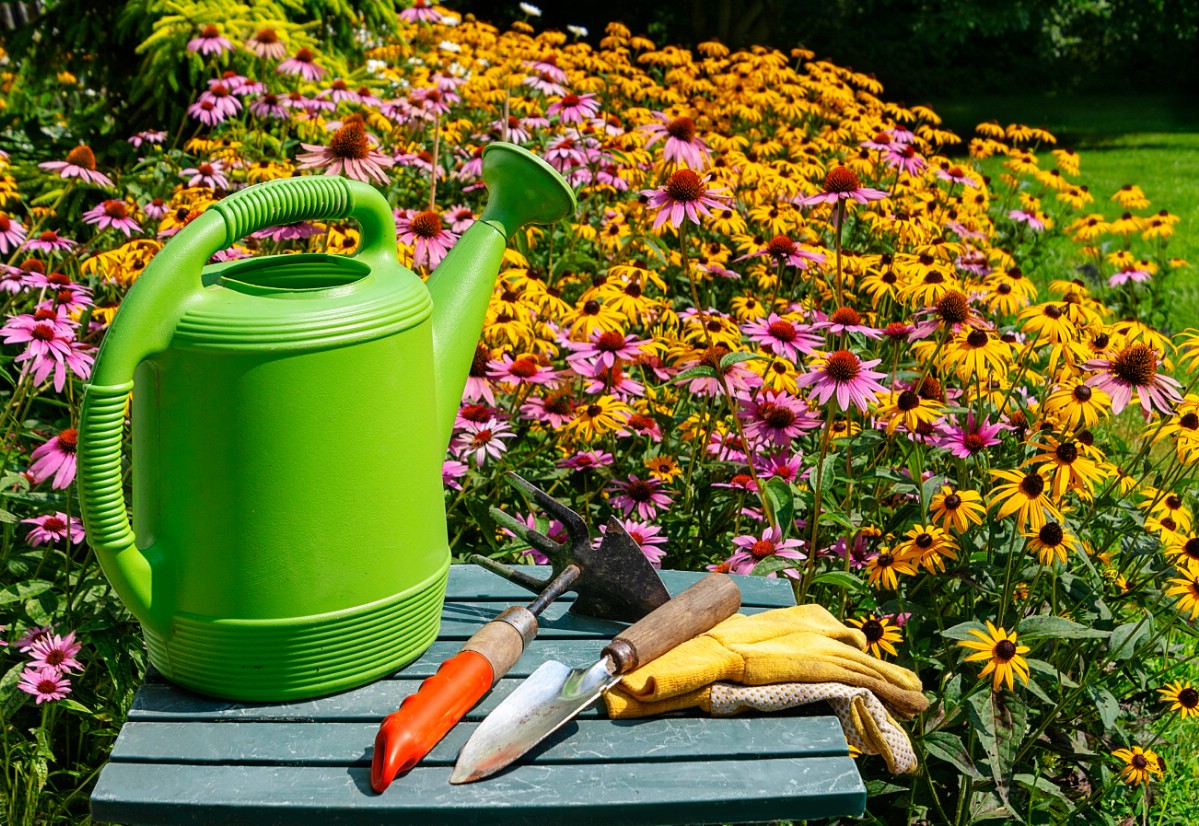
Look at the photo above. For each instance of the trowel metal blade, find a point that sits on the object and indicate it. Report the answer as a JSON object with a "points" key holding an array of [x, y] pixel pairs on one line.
{"points": [[548, 699], [619, 583]]}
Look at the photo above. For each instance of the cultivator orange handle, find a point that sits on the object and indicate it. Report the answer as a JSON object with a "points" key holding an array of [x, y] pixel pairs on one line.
{"points": [[423, 718]]}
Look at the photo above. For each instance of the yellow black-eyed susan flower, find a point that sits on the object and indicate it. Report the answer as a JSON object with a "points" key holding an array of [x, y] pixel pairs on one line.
{"points": [[1067, 468], [956, 508], [883, 569], [1051, 543], [880, 633], [1003, 655], [1186, 588], [1139, 764], [1078, 404], [926, 546], [1182, 697], [1026, 495]]}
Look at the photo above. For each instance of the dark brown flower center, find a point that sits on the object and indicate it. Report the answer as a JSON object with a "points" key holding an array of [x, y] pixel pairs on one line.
{"points": [[426, 224], [54, 524], [1066, 452], [684, 185], [610, 341], [350, 142], [1188, 698], [977, 338], [842, 366], [116, 209], [1051, 534], [638, 491], [82, 156], [1139, 761], [305, 55], [210, 31], [1136, 364], [1082, 393], [841, 179], [1191, 547], [1190, 421], [952, 502], [267, 36], [885, 560], [907, 401], [682, 129], [478, 365], [776, 415], [782, 330], [924, 540], [974, 441], [68, 439], [873, 629], [1173, 501], [1004, 650], [523, 368], [1032, 485], [953, 307]]}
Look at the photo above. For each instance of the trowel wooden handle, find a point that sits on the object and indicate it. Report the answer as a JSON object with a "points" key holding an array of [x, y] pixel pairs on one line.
{"points": [[714, 598]]}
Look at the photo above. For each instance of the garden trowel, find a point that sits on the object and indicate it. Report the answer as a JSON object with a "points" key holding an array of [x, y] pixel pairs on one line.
{"points": [[614, 581], [554, 693]]}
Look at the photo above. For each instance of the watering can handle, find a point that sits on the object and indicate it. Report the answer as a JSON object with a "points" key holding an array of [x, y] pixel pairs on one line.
{"points": [[145, 324]]}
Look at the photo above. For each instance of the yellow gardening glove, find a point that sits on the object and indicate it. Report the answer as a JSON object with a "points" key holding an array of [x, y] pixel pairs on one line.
{"points": [[802, 644]]}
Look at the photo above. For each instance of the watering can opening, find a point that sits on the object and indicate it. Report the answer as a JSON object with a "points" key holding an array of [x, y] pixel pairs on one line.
{"points": [[279, 275]]}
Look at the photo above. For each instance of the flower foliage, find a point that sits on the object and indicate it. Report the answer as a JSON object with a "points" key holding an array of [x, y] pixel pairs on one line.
{"points": [[793, 330]]}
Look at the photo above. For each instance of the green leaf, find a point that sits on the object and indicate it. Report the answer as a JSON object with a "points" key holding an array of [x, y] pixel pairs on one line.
{"points": [[729, 359], [5, 516], [1032, 782], [840, 579], [949, 747], [1125, 639], [700, 371], [773, 564], [962, 630], [1000, 720], [781, 497], [1039, 627], [827, 475], [22, 591], [1049, 672], [837, 518], [1106, 704]]}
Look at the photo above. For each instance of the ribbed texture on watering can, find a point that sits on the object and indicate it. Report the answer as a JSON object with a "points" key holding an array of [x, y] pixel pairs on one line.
{"points": [[257, 207], [374, 317], [300, 657], [99, 465]]}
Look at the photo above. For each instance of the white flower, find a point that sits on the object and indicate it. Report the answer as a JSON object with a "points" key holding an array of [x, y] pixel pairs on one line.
{"points": [[447, 46], [376, 67], [530, 9], [450, 21], [577, 31]]}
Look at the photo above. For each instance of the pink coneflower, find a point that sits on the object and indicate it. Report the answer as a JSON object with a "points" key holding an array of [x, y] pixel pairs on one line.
{"points": [[785, 251], [682, 145], [776, 417], [266, 44], [423, 230], [12, 233], [350, 153], [881, 142], [585, 460], [339, 92], [222, 97], [239, 85], [112, 213], [49, 241], [207, 112], [155, 209], [421, 11], [545, 83], [555, 530], [152, 136], [1034, 221], [781, 337], [903, 156], [50, 350], [434, 101], [13, 279], [648, 537], [786, 466], [638, 424], [32, 635], [209, 41], [302, 63], [841, 184], [641, 495], [612, 380], [753, 549], [55, 458], [847, 377], [45, 684], [684, 195], [1134, 370], [210, 174], [555, 409], [603, 350], [58, 653], [477, 414], [451, 471], [80, 163], [975, 437], [845, 320], [484, 439], [956, 175], [739, 379], [459, 218], [299, 231], [573, 108], [526, 370], [54, 527], [1136, 274], [269, 106]]}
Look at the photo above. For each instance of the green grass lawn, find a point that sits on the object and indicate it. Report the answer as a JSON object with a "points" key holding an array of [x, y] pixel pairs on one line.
{"points": [[1151, 141]]}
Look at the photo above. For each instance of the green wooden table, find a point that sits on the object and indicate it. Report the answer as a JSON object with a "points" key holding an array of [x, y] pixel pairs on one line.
{"points": [[182, 758]]}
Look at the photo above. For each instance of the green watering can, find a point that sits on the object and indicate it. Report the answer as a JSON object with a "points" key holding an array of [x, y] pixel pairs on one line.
{"points": [[290, 419]]}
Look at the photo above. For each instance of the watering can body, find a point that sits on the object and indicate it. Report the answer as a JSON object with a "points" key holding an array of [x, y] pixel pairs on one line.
{"points": [[289, 419]]}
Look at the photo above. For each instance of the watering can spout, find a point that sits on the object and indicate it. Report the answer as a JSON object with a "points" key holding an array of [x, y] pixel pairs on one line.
{"points": [[522, 189]]}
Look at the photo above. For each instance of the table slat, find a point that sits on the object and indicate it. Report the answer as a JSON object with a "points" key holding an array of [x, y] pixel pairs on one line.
{"points": [[584, 741], [633, 794]]}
